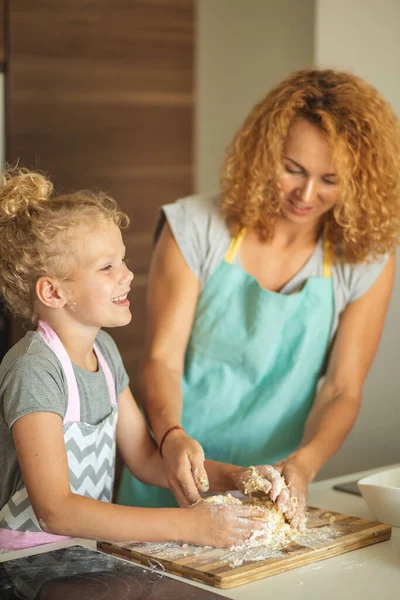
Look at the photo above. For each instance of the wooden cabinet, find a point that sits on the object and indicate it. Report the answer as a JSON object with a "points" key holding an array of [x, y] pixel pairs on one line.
{"points": [[100, 94], [2, 35]]}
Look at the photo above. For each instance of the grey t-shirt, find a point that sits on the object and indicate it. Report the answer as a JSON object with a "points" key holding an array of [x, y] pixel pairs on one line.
{"points": [[32, 380], [203, 238]]}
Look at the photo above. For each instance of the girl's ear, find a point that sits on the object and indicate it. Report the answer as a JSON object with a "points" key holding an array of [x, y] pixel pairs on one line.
{"points": [[50, 292]]}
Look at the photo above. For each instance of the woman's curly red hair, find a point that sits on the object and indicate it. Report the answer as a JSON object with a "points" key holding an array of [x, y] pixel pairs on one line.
{"points": [[364, 134]]}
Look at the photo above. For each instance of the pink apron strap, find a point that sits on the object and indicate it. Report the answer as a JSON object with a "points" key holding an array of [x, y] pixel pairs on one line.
{"points": [[107, 374], [17, 540], [73, 412]]}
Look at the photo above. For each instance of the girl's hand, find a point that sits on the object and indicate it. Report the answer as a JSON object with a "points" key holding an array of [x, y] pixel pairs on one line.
{"points": [[220, 525], [184, 463]]}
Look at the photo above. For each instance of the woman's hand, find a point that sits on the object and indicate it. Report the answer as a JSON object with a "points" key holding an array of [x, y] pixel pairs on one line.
{"points": [[284, 483], [293, 498], [184, 464], [260, 480], [220, 525]]}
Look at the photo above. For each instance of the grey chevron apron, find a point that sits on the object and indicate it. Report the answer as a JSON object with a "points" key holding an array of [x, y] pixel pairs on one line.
{"points": [[90, 452]]}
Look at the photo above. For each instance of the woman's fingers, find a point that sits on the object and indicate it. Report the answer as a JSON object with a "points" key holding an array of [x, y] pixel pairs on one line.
{"points": [[184, 486], [274, 478], [283, 501], [199, 473], [184, 462]]}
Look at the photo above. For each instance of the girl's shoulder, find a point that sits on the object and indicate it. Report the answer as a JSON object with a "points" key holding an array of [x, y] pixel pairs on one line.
{"points": [[30, 352], [31, 380]]}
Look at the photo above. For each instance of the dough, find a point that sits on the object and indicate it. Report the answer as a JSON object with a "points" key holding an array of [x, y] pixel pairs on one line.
{"points": [[275, 530]]}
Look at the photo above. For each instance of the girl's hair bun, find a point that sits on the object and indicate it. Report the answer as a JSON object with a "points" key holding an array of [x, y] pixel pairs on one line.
{"points": [[22, 192]]}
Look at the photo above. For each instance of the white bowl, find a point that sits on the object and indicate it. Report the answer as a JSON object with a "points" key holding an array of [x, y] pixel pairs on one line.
{"points": [[382, 494]]}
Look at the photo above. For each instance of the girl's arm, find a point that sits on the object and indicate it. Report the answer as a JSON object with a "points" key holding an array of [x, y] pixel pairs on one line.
{"points": [[42, 457]]}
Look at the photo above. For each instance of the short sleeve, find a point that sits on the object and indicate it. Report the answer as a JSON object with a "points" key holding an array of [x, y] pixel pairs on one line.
{"points": [[188, 221], [32, 384], [199, 231], [363, 276], [114, 360]]}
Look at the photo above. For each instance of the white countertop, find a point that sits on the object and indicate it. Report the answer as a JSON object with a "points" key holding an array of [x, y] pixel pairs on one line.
{"points": [[370, 573]]}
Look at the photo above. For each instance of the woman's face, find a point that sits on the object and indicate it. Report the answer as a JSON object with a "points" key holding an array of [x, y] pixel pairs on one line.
{"points": [[308, 182]]}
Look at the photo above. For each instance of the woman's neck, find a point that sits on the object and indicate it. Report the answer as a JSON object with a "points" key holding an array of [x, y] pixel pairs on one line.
{"points": [[289, 234]]}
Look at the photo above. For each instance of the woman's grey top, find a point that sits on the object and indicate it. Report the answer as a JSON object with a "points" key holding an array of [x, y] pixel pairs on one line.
{"points": [[203, 238]]}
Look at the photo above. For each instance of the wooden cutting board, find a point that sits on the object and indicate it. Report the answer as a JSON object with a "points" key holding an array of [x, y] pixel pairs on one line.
{"points": [[328, 534]]}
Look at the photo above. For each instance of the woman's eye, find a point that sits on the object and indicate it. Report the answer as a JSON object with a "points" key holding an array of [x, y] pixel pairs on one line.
{"points": [[329, 181], [293, 171]]}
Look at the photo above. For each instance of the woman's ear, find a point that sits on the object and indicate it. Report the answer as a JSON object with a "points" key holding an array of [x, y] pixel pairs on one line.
{"points": [[50, 292]]}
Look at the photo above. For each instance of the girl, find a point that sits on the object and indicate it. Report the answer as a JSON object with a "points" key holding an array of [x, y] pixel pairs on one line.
{"points": [[64, 396]]}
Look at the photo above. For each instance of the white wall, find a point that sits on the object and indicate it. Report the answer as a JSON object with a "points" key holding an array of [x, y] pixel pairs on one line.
{"points": [[363, 36], [244, 47]]}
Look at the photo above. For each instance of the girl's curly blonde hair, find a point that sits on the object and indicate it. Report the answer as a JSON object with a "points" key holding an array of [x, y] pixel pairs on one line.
{"points": [[364, 135], [34, 234]]}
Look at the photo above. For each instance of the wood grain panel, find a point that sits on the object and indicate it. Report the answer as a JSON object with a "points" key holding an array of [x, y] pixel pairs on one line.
{"points": [[328, 534], [2, 35], [101, 95]]}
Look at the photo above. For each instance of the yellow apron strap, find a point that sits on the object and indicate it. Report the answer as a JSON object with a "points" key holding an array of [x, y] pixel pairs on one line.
{"points": [[234, 247], [327, 268], [236, 242]]}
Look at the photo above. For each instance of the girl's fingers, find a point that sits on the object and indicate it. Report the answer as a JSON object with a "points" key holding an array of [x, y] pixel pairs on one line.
{"points": [[248, 512]]}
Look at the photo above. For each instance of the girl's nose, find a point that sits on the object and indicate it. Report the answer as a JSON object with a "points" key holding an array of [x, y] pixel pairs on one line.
{"points": [[127, 276]]}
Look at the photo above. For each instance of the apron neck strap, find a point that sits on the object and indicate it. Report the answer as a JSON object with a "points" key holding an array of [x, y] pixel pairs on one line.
{"points": [[236, 242], [327, 266], [74, 406], [234, 247]]}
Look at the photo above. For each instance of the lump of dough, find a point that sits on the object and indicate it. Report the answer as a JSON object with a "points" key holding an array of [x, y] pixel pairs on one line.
{"points": [[275, 530]]}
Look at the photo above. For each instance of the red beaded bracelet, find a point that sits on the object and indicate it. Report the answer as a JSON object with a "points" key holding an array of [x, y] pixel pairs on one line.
{"points": [[166, 434]]}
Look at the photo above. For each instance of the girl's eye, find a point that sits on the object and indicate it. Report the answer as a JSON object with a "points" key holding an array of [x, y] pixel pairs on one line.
{"points": [[329, 181], [107, 268]]}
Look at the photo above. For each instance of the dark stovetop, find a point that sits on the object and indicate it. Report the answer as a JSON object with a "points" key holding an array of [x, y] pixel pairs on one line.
{"points": [[77, 573]]}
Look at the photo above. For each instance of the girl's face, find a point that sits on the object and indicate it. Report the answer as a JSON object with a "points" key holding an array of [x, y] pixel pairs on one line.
{"points": [[308, 182], [99, 286]]}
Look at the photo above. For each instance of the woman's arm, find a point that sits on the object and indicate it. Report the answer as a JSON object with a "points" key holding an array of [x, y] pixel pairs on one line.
{"points": [[172, 296], [338, 402], [142, 457], [42, 457]]}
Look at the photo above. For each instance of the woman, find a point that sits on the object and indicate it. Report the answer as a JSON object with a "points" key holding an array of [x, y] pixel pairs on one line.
{"points": [[256, 294]]}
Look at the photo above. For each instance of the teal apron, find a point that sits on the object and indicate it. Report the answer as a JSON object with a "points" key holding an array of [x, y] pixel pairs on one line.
{"points": [[251, 370]]}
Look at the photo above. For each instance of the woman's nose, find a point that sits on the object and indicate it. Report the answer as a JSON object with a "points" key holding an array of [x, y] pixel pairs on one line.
{"points": [[308, 191]]}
